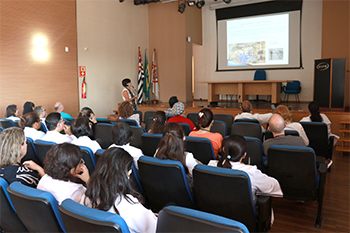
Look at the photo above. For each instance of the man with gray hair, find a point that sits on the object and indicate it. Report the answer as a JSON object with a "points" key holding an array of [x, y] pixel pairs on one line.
{"points": [[41, 113], [276, 126], [246, 107], [60, 108]]}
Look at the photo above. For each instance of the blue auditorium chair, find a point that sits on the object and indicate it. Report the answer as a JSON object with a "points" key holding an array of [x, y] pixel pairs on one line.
{"points": [[89, 158], [150, 143], [227, 118], [219, 127], [103, 134], [98, 154], [41, 148], [201, 148], [6, 123], [247, 129], [31, 152], [254, 153], [292, 88], [130, 122], [193, 117], [136, 140]]}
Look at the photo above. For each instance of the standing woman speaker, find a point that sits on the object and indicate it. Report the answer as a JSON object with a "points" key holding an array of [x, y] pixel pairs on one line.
{"points": [[129, 92]]}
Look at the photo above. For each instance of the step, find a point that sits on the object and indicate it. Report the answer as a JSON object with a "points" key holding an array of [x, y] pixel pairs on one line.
{"points": [[344, 122], [344, 130], [342, 148], [344, 140]]}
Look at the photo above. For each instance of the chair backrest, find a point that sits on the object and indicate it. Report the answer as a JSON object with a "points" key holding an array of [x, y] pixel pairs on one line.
{"points": [[185, 127], [219, 127], [247, 129], [131, 122], [259, 75], [227, 118], [150, 143], [181, 219], [104, 120], [89, 158], [31, 152], [148, 123], [16, 123], [9, 220], [103, 132], [268, 134], [99, 153], [247, 120], [1, 129], [295, 169], [79, 218], [293, 86], [136, 136], [149, 114], [140, 114], [193, 117], [37, 209], [41, 148], [6, 123], [317, 133], [225, 192], [164, 181], [201, 148], [254, 153], [43, 127]]}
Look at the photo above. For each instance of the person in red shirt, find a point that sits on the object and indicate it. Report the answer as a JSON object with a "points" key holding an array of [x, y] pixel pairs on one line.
{"points": [[179, 109]]}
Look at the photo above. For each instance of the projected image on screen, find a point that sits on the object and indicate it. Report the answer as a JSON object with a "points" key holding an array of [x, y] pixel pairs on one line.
{"points": [[242, 54]]}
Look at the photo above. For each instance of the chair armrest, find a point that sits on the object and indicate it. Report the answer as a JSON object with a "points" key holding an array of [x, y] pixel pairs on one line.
{"points": [[264, 215]]}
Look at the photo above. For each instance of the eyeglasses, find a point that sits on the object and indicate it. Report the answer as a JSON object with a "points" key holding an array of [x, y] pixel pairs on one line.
{"points": [[82, 161]]}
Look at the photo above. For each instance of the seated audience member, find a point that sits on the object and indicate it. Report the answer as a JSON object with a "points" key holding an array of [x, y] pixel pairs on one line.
{"points": [[55, 124], [171, 111], [30, 122], [110, 190], [41, 113], [28, 107], [13, 148], [121, 137], [86, 111], [81, 129], [290, 125], [60, 108], [179, 109], [205, 120], [125, 111], [247, 114], [159, 120], [276, 126], [233, 152], [12, 112], [63, 164], [316, 116], [171, 146]]}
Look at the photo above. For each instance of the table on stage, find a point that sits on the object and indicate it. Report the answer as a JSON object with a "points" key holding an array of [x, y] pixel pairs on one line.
{"points": [[245, 88]]}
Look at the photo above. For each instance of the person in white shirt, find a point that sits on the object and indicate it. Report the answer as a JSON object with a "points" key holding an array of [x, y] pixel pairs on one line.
{"points": [[31, 124], [55, 124], [121, 137], [129, 93], [247, 114], [63, 164], [110, 190], [41, 112], [81, 129], [12, 112]]}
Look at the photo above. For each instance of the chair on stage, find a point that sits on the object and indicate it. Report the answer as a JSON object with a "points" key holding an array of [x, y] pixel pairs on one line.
{"points": [[150, 143], [259, 75], [247, 129], [103, 133], [227, 118], [219, 127], [137, 132], [295, 169], [181, 219], [292, 88]]}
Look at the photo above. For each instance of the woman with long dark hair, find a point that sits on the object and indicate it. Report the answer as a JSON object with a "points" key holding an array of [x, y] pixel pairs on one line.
{"points": [[28, 107], [12, 112], [159, 120], [110, 190]]}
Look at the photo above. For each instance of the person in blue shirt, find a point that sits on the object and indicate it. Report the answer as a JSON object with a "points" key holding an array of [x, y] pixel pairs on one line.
{"points": [[60, 108]]}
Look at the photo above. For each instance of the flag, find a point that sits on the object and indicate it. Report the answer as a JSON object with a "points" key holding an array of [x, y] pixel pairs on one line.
{"points": [[155, 87], [147, 84], [140, 78]]}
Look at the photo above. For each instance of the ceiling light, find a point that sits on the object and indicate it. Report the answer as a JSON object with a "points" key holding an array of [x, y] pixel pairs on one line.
{"points": [[191, 3], [227, 1], [182, 7], [200, 4]]}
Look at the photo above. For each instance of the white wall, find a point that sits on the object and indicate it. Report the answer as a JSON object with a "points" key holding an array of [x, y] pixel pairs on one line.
{"points": [[311, 33], [112, 32]]}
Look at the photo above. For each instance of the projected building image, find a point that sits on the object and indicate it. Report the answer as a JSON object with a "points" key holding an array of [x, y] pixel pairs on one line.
{"points": [[242, 54]]}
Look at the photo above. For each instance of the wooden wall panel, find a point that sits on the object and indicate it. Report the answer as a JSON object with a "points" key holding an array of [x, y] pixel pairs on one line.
{"points": [[21, 77]]}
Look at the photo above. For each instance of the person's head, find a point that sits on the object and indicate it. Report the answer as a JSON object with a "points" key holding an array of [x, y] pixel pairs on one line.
{"points": [[126, 82], [40, 111], [13, 146], [205, 118], [232, 149], [314, 109], [59, 107], [81, 126], [121, 133], [111, 179], [158, 124], [171, 145], [54, 121], [28, 107], [284, 112], [172, 101], [125, 109], [246, 106], [86, 111], [31, 119], [63, 162], [179, 108], [276, 124], [11, 110]]}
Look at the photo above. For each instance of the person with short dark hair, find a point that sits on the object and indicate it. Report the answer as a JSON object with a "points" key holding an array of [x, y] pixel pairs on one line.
{"points": [[31, 124], [179, 109], [121, 137], [170, 111], [129, 93], [81, 129], [28, 107], [233, 151], [205, 120], [159, 120], [55, 124], [110, 190], [12, 112], [63, 164]]}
